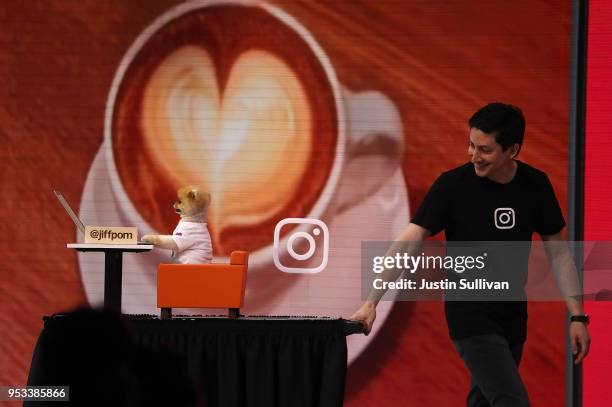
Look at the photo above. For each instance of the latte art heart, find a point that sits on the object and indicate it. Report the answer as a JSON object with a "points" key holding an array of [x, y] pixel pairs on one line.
{"points": [[247, 140]]}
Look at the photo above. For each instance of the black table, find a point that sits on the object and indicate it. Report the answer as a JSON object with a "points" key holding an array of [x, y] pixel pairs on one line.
{"points": [[192, 361], [113, 267]]}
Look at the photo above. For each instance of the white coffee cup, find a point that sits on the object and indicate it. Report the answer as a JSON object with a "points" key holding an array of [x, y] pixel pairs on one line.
{"points": [[365, 187], [356, 113]]}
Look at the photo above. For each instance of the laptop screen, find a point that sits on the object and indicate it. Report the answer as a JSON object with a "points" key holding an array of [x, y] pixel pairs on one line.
{"points": [[69, 211]]}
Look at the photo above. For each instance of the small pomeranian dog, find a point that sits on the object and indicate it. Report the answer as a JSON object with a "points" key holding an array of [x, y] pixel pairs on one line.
{"points": [[190, 242]]}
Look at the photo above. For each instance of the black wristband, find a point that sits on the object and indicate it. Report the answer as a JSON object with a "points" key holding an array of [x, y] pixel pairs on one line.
{"points": [[580, 318]]}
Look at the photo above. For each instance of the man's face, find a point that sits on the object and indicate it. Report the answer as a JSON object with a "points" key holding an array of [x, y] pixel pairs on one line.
{"points": [[487, 155]]}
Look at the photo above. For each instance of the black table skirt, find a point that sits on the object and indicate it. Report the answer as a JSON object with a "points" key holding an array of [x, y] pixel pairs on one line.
{"points": [[107, 360]]}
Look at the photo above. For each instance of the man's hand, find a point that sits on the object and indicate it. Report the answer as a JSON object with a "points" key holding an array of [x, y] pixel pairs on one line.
{"points": [[365, 314], [580, 341], [409, 243]]}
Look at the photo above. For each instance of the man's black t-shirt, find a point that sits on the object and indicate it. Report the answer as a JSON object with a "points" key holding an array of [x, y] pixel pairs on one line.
{"points": [[472, 208]]}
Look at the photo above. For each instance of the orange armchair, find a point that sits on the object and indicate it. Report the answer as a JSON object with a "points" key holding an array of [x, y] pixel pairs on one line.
{"points": [[203, 285]]}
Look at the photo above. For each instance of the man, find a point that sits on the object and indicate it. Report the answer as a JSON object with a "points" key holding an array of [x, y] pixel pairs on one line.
{"points": [[494, 198]]}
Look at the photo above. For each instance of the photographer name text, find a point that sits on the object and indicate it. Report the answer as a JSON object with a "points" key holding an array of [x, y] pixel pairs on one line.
{"points": [[445, 284]]}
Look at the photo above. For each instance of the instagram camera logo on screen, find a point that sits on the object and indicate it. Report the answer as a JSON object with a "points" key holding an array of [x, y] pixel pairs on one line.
{"points": [[301, 246], [504, 218]]}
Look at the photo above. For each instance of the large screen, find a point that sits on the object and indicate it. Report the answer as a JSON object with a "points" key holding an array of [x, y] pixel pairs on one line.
{"points": [[288, 114]]}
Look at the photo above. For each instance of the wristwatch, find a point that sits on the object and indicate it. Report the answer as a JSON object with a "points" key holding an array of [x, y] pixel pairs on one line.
{"points": [[580, 318]]}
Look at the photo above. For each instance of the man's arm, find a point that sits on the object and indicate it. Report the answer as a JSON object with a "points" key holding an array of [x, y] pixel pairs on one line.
{"points": [[564, 269], [408, 242]]}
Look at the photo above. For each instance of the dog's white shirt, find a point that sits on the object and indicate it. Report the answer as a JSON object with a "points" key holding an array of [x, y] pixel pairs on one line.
{"points": [[193, 241]]}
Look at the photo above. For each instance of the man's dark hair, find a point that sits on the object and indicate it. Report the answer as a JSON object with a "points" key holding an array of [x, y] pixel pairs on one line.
{"points": [[504, 121]]}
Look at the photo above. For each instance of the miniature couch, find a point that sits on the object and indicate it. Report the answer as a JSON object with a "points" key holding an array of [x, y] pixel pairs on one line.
{"points": [[203, 285]]}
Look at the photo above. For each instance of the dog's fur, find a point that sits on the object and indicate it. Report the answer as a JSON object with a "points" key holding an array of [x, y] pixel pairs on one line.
{"points": [[192, 206]]}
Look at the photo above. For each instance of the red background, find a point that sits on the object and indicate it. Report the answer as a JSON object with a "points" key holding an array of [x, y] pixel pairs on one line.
{"points": [[598, 189], [437, 63]]}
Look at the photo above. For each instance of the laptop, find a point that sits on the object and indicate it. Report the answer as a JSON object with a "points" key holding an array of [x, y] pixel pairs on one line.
{"points": [[69, 211], [79, 224]]}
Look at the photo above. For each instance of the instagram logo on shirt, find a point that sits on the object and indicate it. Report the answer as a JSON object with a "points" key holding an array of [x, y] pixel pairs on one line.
{"points": [[504, 218]]}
